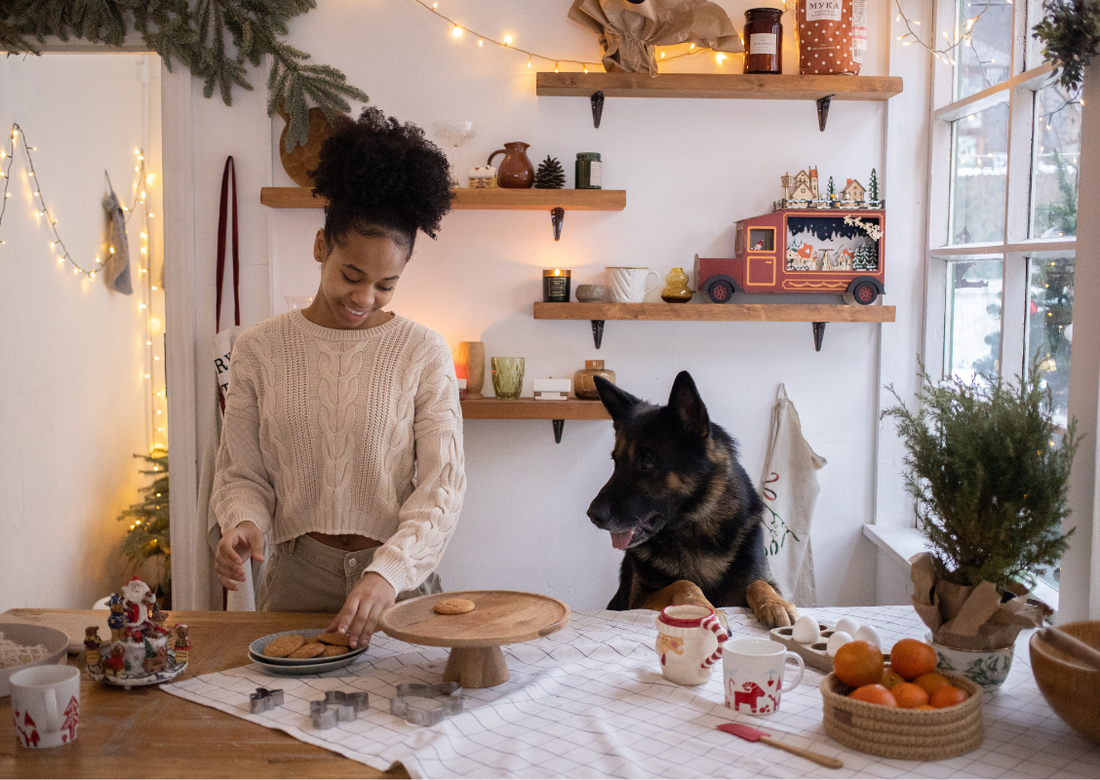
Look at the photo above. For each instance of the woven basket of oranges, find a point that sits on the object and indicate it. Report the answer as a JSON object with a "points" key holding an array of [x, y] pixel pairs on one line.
{"points": [[905, 710]]}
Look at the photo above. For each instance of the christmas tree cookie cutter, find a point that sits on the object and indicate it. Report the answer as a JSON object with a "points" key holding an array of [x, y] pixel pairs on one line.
{"points": [[337, 707], [426, 705]]}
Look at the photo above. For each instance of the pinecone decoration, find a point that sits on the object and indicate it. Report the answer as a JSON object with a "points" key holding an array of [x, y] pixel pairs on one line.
{"points": [[550, 175]]}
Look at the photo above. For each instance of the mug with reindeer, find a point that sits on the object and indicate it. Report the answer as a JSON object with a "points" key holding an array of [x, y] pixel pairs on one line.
{"points": [[689, 642], [752, 671]]}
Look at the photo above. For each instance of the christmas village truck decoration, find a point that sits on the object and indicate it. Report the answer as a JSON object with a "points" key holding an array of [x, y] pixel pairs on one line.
{"points": [[142, 649], [809, 243]]}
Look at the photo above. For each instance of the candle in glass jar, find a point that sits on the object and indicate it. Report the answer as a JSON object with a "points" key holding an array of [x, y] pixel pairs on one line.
{"points": [[555, 285], [763, 40]]}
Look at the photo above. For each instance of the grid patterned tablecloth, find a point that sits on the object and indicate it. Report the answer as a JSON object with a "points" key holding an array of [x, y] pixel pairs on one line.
{"points": [[589, 701]]}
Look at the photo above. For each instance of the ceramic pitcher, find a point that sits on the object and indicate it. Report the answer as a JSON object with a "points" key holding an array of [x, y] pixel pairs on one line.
{"points": [[516, 172], [689, 642]]}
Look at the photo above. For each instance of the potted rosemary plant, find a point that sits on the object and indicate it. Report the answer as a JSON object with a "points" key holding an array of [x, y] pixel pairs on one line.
{"points": [[988, 470]]}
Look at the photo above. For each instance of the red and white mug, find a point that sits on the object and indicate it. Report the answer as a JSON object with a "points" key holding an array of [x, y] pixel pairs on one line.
{"points": [[45, 705], [752, 674], [689, 642]]}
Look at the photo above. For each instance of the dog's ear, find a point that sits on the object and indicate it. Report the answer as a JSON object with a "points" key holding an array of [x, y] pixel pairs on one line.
{"points": [[619, 403], [688, 407]]}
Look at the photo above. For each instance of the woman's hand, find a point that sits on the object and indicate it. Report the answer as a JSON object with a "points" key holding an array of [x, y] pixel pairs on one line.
{"points": [[245, 540], [359, 617]]}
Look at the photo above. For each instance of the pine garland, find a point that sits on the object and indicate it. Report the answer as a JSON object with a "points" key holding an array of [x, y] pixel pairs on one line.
{"points": [[148, 536], [214, 38], [989, 481]]}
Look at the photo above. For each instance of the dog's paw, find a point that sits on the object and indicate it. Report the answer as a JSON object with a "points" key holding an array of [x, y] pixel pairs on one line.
{"points": [[776, 613]]}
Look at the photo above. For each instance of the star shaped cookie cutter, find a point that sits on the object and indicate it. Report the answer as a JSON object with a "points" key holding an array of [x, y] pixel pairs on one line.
{"points": [[337, 707], [442, 700], [264, 699]]}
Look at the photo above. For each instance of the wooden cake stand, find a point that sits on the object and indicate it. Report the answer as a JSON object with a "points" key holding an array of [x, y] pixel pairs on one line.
{"points": [[499, 617]]}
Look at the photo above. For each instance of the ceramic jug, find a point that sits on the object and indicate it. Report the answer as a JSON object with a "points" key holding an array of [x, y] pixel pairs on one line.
{"points": [[689, 641], [516, 172]]}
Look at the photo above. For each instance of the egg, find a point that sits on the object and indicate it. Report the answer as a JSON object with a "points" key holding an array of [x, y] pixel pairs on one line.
{"points": [[870, 635], [806, 630], [838, 639], [847, 625]]}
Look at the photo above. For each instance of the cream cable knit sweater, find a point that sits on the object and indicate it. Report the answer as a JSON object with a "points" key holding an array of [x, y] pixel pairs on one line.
{"points": [[344, 432]]}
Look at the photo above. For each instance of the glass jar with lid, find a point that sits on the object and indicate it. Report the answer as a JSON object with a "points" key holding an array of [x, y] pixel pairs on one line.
{"points": [[763, 40]]}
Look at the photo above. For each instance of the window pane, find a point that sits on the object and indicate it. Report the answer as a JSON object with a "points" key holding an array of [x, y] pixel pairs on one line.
{"points": [[988, 58], [973, 327], [1054, 171], [980, 164], [1050, 315]]}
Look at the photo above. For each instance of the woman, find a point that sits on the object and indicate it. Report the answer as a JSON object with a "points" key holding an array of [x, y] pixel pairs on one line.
{"points": [[343, 431]]}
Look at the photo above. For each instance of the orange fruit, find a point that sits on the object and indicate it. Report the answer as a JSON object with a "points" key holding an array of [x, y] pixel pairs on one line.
{"points": [[909, 696], [925, 707], [890, 678], [858, 663], [911, 658], [874, 694], [931, 682], [947, 696]]}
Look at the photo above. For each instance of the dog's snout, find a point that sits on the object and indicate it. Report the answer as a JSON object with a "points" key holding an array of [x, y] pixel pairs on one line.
{"points": [[599, 512]]}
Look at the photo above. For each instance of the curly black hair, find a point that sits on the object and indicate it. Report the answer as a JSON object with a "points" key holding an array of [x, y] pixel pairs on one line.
{"points": [[382, 178]]}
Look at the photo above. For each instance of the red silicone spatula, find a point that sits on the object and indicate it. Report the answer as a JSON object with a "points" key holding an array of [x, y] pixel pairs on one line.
{"points": [[756, 735]]}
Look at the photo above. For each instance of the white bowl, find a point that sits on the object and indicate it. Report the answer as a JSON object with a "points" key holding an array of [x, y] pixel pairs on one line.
{"points": [[26, 634]]}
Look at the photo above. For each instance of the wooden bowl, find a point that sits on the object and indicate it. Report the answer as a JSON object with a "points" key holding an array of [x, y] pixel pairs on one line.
{"points": [[1071, 689], [910, 735]]}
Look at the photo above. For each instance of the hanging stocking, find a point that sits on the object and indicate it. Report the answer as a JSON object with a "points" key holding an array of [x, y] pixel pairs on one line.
{"points": [[116, 268]]}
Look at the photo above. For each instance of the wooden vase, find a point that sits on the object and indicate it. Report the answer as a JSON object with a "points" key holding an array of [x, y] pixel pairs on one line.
{"points": [[300, 162], [472, 355]]}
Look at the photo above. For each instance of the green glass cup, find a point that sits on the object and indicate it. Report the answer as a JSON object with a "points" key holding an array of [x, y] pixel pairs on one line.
{"points": [[507, 377]]}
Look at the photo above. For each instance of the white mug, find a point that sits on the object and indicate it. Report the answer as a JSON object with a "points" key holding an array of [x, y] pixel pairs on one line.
{"points": [[628, 285], [45, 705], [752, 672], [689, 642]]}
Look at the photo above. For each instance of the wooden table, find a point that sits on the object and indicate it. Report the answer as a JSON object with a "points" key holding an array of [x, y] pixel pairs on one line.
{"points": [[147, 733]]}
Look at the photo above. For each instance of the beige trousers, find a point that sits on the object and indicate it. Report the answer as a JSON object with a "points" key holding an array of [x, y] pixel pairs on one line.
{"points": [[304, 575]]}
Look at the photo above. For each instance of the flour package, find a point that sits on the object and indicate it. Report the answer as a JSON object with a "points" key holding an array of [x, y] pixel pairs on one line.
{"points": [[832, 36]]}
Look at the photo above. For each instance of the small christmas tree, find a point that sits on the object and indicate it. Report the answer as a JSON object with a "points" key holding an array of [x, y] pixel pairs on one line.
{"points": [[872, 189], [830, 194], [148, 534], [550, 175]]}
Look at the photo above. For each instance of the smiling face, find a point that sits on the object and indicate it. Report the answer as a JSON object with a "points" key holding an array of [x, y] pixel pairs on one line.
{"points": [[358, 277]]}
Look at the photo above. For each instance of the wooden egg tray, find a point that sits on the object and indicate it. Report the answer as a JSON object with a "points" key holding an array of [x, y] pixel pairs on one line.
{"points": [[815, 654]]}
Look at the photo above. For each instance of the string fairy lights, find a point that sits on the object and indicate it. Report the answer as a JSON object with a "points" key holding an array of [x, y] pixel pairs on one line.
{"points": [[961, 38], [458, 30]]}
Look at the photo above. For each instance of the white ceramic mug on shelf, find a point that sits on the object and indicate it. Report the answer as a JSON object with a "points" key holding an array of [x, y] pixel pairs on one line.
{"points": [[628, 285], [45, 705], [689, 642], [752, 673]]}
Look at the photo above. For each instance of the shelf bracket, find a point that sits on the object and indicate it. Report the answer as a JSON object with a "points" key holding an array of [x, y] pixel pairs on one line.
{"points": [[559, 426], [597, 332], [557, 217], [819, 335], [597, 108], [823, 111]]}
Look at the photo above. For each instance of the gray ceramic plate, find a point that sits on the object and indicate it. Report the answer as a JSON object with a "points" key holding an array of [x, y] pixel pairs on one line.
{"points": [[256, 651], [312, 665]]}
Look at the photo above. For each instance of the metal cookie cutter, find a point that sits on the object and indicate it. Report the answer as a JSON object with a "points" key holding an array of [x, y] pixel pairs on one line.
{"points": [[443, 699], [337, 707], [263, 700]]}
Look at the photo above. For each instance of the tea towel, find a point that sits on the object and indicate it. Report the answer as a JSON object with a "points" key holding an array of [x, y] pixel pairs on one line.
{"points": [[789, 489]]}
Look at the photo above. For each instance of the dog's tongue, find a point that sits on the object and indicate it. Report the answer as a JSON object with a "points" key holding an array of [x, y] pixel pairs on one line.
{"points": [[620, 540]]}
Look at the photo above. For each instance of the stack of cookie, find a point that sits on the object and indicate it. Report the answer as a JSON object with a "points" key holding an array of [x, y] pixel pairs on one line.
{"points": [[327, 645]]}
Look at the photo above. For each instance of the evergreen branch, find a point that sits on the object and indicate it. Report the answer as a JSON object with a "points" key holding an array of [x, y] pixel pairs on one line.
{"points": [[1070, 33]]}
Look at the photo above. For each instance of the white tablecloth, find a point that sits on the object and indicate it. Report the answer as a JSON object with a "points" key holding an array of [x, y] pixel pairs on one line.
{"points": [[590, 701]]}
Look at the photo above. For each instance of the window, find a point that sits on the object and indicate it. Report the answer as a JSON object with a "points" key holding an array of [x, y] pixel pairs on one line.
{"points": [[1003, 203]]}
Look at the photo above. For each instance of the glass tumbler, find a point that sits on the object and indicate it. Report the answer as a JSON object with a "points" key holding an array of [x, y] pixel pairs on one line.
{"points": [[507, 377]]}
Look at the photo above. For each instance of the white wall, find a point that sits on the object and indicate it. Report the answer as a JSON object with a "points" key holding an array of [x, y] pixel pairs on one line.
{"points": [[691, 168], [74, 403]]}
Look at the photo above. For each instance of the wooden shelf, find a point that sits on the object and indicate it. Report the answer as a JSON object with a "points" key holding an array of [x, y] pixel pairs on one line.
{"points": [[466, 198], [711, 312], [492, 408], [752, 86], [815, 313]]}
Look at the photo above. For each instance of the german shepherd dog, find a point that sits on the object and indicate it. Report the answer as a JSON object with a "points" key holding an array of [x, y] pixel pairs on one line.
{"points": [[683, 509]]}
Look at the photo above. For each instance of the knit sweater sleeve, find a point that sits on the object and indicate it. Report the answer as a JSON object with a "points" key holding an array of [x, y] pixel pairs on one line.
{"points": [[428, 516], [242, 486]]}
